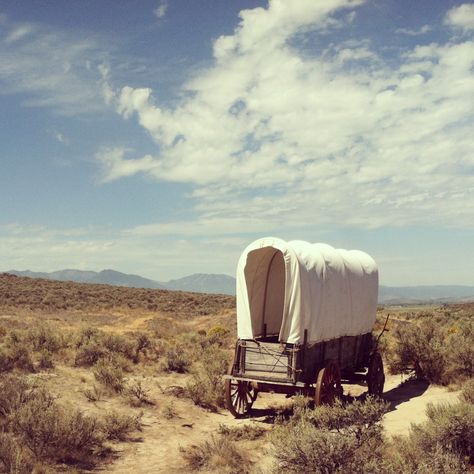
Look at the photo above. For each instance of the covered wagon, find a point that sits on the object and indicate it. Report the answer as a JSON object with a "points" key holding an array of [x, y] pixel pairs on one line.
{"points": [[305, 314]]}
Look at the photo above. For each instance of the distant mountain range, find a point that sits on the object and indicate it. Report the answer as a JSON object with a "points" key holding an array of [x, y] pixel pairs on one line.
{"points": [[225, 284], [424, 294], [199, 282]]}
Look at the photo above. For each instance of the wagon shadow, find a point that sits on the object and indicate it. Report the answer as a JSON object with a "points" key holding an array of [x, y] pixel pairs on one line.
{"points": [[402, 393], [405, 391]]}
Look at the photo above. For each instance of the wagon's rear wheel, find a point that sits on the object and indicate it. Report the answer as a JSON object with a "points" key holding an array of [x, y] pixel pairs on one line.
{"points": [[375, 375], [239, 397], [328, 385]]}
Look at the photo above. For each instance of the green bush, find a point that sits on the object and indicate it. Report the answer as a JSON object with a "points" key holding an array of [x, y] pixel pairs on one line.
{"points": [[54, 433], [438, 350], [406, 456], [218, 335], [422, 347], [206, 388], [307, 449], [334, 438], [450, 427]]}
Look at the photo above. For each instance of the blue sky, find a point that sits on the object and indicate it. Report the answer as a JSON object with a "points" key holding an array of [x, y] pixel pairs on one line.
{"points": [[160, 138]]}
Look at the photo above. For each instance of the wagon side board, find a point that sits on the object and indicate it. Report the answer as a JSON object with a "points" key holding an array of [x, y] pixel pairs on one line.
{"points": [[350, 352], [299, 364]]}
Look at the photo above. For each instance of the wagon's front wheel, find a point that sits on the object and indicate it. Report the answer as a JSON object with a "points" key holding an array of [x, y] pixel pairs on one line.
{"points": [[328, 385], [375, 375], [239, 397]]}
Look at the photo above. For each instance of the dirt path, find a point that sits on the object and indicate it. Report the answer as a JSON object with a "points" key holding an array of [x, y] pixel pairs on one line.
{"points": [[159, 449], [409, 401]]}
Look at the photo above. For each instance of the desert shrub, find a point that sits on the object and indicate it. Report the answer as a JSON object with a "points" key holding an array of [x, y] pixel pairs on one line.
{"points": [[89, 353], [159, 349], [405, 456], [421, 347], [243, 432], [117, 427], [205, 387], [308, 449], [169, 411], [110, 375], [14, 458], [177, 359], [335, 438], [16, 357], [45, 360], [439, 350], [217, 454], [467, 393], [93, 345], [354, 418], [86, 335], [14, 392], [52, 432], [461, 350], [3, 332], [450, 427], [43, 337], [117, 344], [141, 345], [93, 394], [137, 394], [6, 362], [22, 358], [218, 335]]}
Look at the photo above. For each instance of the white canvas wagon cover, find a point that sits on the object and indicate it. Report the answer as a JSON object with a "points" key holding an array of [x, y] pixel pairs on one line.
{"points": [[284, 288]]}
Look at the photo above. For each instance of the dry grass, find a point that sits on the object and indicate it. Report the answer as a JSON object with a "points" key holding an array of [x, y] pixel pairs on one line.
{"points": [[49, 295], [79, 364]]}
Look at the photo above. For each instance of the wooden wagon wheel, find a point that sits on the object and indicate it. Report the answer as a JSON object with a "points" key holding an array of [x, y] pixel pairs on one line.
{"points": [[328, 385], [375, 376], [239, 397]]}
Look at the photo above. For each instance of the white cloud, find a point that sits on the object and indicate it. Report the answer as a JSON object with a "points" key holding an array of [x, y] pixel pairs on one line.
{"points": [[412, 32], [51, 68], [340, 138], [461, 16], [18, 33], [44, 249], [116, 166], [160, 10], [60, 137]]}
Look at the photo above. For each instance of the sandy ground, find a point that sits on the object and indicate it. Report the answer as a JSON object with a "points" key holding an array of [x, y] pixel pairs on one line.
{"points": [[408, 402], [159, 449]]}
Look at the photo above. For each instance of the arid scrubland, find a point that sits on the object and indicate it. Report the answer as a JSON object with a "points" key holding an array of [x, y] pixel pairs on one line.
{"points": [[100, 377]]}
